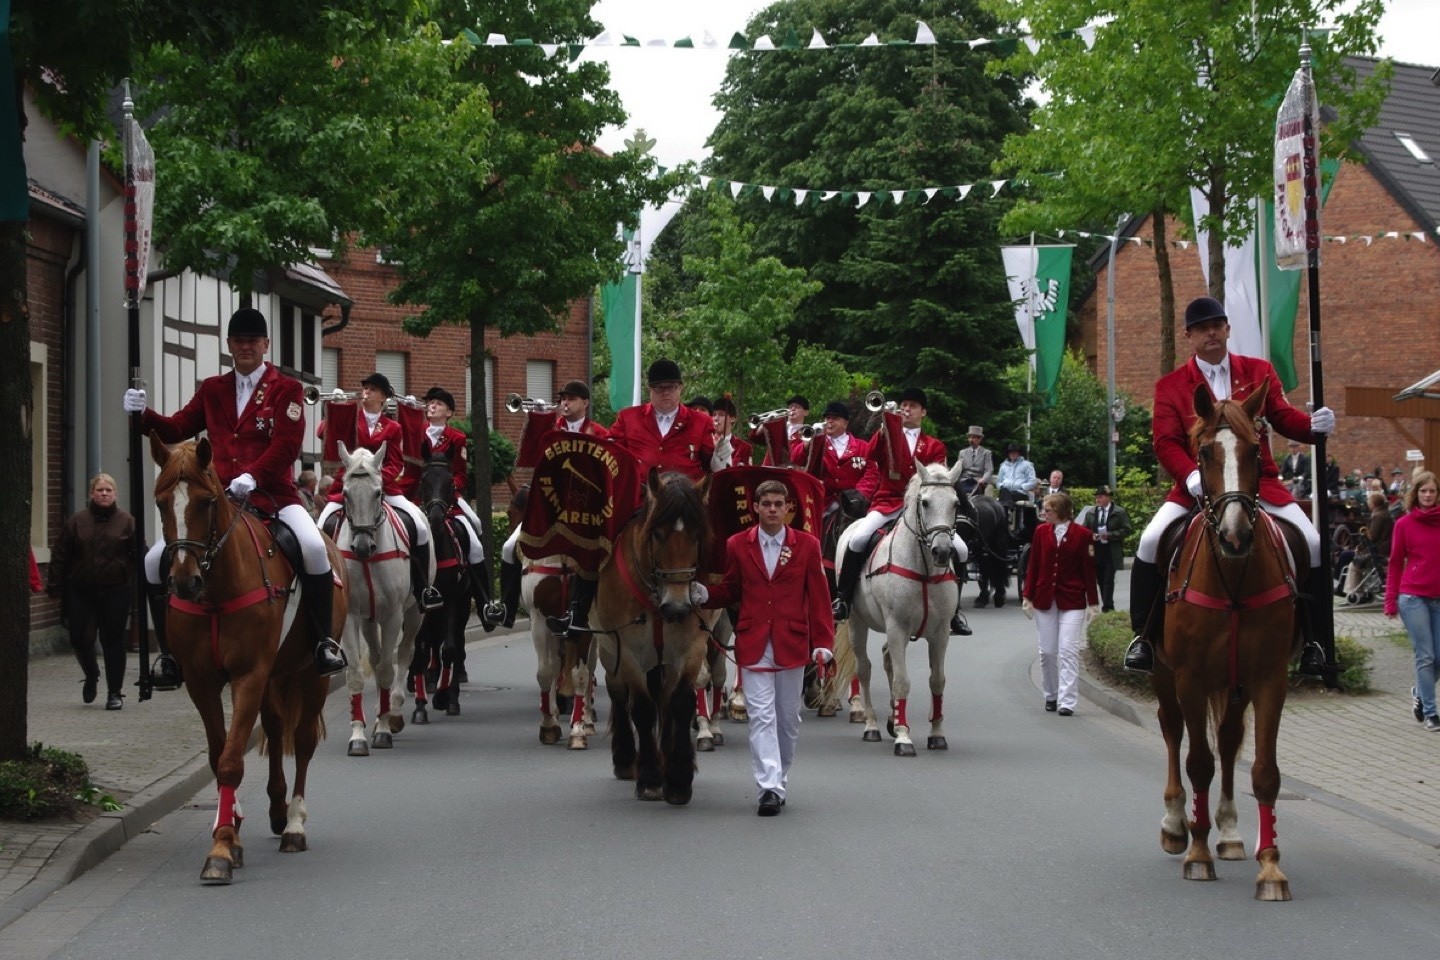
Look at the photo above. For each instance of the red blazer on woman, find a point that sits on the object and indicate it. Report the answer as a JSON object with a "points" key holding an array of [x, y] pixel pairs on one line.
{"points": [[387, 431], [792, 611], [1061, 574], [451, 445]]}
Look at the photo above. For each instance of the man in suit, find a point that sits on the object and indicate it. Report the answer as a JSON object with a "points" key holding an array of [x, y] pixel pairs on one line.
{"points": [[977, 463], [1111, 525], [255, 421], [1057, 483], [1295, 470], [1228, 377], [773, 572]]}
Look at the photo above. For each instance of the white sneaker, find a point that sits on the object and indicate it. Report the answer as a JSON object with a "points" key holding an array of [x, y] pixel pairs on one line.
{"points": [[1432, 724]]}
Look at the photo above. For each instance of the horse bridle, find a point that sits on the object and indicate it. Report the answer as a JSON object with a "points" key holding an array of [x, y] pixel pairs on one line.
{"points": [[927, 534], [1212, 507], [211, 547]]}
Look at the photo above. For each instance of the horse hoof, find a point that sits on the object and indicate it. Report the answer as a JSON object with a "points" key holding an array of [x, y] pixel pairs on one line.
{"points": [[441, 699], [827, 710], [293, 843], [999, 602], [589, 729], [857, 716], [705, 744], [719, 739], [452, 709], [358, 748], [624, 773], [397, 723], [549, 735], [217, 870], [237, 856], [904, 749], [1173, 844], [1272, 891], [739, 716], [871, 736], [936, 743], [678, 797], [382, 741], [1199, 870], [890, 727], [1230, 850], [420, 716], [982, 601], [648, 793], [578, 743]]}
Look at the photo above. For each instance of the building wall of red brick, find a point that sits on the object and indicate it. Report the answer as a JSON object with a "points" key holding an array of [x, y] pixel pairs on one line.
{"points": [[1380, 312]]}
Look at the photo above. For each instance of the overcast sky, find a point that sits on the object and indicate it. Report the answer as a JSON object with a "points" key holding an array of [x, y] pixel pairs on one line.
{"points": [[668, 92]]}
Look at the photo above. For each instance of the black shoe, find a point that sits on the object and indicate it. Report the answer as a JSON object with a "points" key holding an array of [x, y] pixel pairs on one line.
{"points": [[1416, 707], [114, 700], [91, 687], [1049, 706], [165, 673], [1065, 712], [430, 599], [1139, 656], [329, 658], [770, 804], [1312, 660], [960, 626]]}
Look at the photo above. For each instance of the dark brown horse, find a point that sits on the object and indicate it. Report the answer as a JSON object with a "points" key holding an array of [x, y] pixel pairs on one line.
{"points": [[651, 643], [227, 608], [1229, 636]]}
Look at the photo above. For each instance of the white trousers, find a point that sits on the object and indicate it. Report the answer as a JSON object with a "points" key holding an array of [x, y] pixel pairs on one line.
{"points": [[507, 552], [1059, 633], [1170, 512], [422, 526], [477, 548], [312, 546], [773, 701], [861, 530]]}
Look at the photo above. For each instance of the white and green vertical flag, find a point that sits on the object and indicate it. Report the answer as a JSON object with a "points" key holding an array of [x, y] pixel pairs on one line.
{"points": [[1039, 279], [621, 303]]}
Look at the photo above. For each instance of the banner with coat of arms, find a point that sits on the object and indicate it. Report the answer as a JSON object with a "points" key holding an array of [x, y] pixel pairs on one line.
{"points": [[732, 503], [583, 492]]}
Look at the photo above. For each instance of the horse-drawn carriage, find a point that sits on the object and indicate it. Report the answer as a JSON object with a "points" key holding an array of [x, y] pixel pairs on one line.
{"points": [[999, 536]]}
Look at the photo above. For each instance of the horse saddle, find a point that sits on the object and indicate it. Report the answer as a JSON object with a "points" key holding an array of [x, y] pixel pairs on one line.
{"points": [[331, 528], [883, 529], [286, 542], [1173, 538]]}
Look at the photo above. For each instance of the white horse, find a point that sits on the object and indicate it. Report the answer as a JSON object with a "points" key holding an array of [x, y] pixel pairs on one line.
{"points": [[909, 592], [710, 686], [542, 592], [384, 618]]}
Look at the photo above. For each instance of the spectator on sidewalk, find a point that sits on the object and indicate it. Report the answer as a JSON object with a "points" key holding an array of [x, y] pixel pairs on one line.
{"points": [[92, 570], [1412, 587]]}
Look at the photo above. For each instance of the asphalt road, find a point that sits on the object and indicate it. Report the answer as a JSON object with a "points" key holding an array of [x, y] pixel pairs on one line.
{"points": [[1033, 836]]}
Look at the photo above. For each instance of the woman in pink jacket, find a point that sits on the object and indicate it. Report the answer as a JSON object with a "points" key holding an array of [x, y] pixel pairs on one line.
{"points": [[1059, 585], [1412, 588]]}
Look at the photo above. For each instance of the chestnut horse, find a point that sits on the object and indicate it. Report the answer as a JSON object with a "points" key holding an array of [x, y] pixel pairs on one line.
{"points": [[651, 644], [1229, 636], [227, 609]]}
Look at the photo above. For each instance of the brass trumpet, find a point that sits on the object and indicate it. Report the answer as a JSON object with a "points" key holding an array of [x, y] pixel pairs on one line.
{"points": [[313, 395], [810, 431], [515, 403], [875, 402], [756, 419], [394, 403]]}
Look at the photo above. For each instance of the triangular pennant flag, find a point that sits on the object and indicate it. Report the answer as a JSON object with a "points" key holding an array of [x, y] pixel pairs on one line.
{"points": [[817, 42], [1340, 239], [735, 188], [738, 42], [1087, 34], [764, 42], [870, 41], [1393, 234], [979, 42], [846, 196], [1420, 235], [685, 43], [829, 195], [1032, 43], [930, 193], [864, 198], [1006, 46], [800, 196], [1184, 244], [1138, 241], [496, 40], [704, 181], [709, 40], [791, 41], [767, 192], [549, 48], [629, 41], [924, 36], [657, 42], [1368, 240], [604, 40], [784, 194], [965, 190], [997, 184], [948, 192], [1061, 234], [897, 195]]}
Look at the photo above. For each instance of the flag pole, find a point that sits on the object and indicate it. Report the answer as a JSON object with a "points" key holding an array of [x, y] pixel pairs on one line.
{"points": [[134, 284], [1034, 346]]}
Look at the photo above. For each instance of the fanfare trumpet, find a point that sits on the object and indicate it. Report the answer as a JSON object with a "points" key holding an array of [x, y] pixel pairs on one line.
{"points": [[515, 403], [313, 395], [875, 402], [393, 403], [811, 430], [756, 419]]}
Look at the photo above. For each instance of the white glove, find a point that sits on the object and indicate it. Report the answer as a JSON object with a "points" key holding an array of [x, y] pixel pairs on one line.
{"points": [[823, 656], [1323, 420], [242, 486], [699, 593], [720, 459], [1192, 483], [134, 401], [1028, 608]]}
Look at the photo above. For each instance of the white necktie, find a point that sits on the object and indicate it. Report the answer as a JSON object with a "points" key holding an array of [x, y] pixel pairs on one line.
{"points": [[242, 394], [914, 437], [662, 422], [1217, 384], [772, 555]]}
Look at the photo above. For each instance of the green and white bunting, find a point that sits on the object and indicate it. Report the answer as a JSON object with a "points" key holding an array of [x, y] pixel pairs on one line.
{"points": [[800, 196]]}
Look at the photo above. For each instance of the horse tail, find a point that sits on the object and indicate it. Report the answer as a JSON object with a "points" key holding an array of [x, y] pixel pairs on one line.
{"points": [[290, 709], [845, 663], [1218, 704]]}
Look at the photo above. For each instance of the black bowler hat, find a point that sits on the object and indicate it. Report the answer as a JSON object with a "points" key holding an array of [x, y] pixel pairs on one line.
{"points": [[380, 382], [663, 371], [1103, 490], [726, 404], [836, 408], [247, 322], [700, 403], [798, 401], [914, 395], [1013, 447], [1202, 310], [575, 388], [441, 394]]}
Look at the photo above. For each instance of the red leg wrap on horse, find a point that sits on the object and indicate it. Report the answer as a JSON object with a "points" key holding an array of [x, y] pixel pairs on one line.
{"points": [[545, 703], [717, 700], [225, 810], [577, 711], [384, 702], [434, 660], [1267, 829], [854, 687], [1200, 811], [936, 709], [444, 682], [900, 720], [702, 704], [420, 687], [357, 708]]}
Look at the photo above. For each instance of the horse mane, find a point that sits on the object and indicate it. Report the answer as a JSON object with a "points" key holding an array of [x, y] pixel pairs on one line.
{"points": [[678, 499], [363, 466], [1227, 413]]}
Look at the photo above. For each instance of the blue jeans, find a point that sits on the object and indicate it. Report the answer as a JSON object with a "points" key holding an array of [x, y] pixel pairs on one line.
{"points": [[1421, 616]]}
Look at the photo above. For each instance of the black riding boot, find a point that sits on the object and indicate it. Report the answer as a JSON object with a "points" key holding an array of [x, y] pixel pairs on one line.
{"points": [[510, 577], [317, 595], [486, 609], [426, 596], [1316, 603], [850, 567], [164, 672], [958, 623], [582, 596], [1144, 589]]}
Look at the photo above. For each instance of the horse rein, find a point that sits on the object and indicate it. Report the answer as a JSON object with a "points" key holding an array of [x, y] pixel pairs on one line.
{"points": [[211, 547]]}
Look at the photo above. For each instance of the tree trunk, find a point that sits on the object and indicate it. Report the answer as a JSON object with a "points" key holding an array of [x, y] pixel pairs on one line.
{"points": [[15, 506], [480, 428], [1167, 291], [1218, 201]]}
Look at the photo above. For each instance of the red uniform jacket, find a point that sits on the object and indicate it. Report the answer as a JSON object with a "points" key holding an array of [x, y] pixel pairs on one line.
{"points": [[888, 495], [264, 441], [742, 452], [587, 426], [686, 449], [839, 473], [1174, 414], [1061, 574], [451, 445], [387, 431], [792, 611]]}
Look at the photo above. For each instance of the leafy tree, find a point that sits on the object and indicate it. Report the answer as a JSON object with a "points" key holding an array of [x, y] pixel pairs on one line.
{"points": [[507, 243], [914, 291], [1174, 94]]}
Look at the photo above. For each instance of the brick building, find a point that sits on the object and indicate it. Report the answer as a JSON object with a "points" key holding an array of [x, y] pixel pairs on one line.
{"points": [[1380, 297]]}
